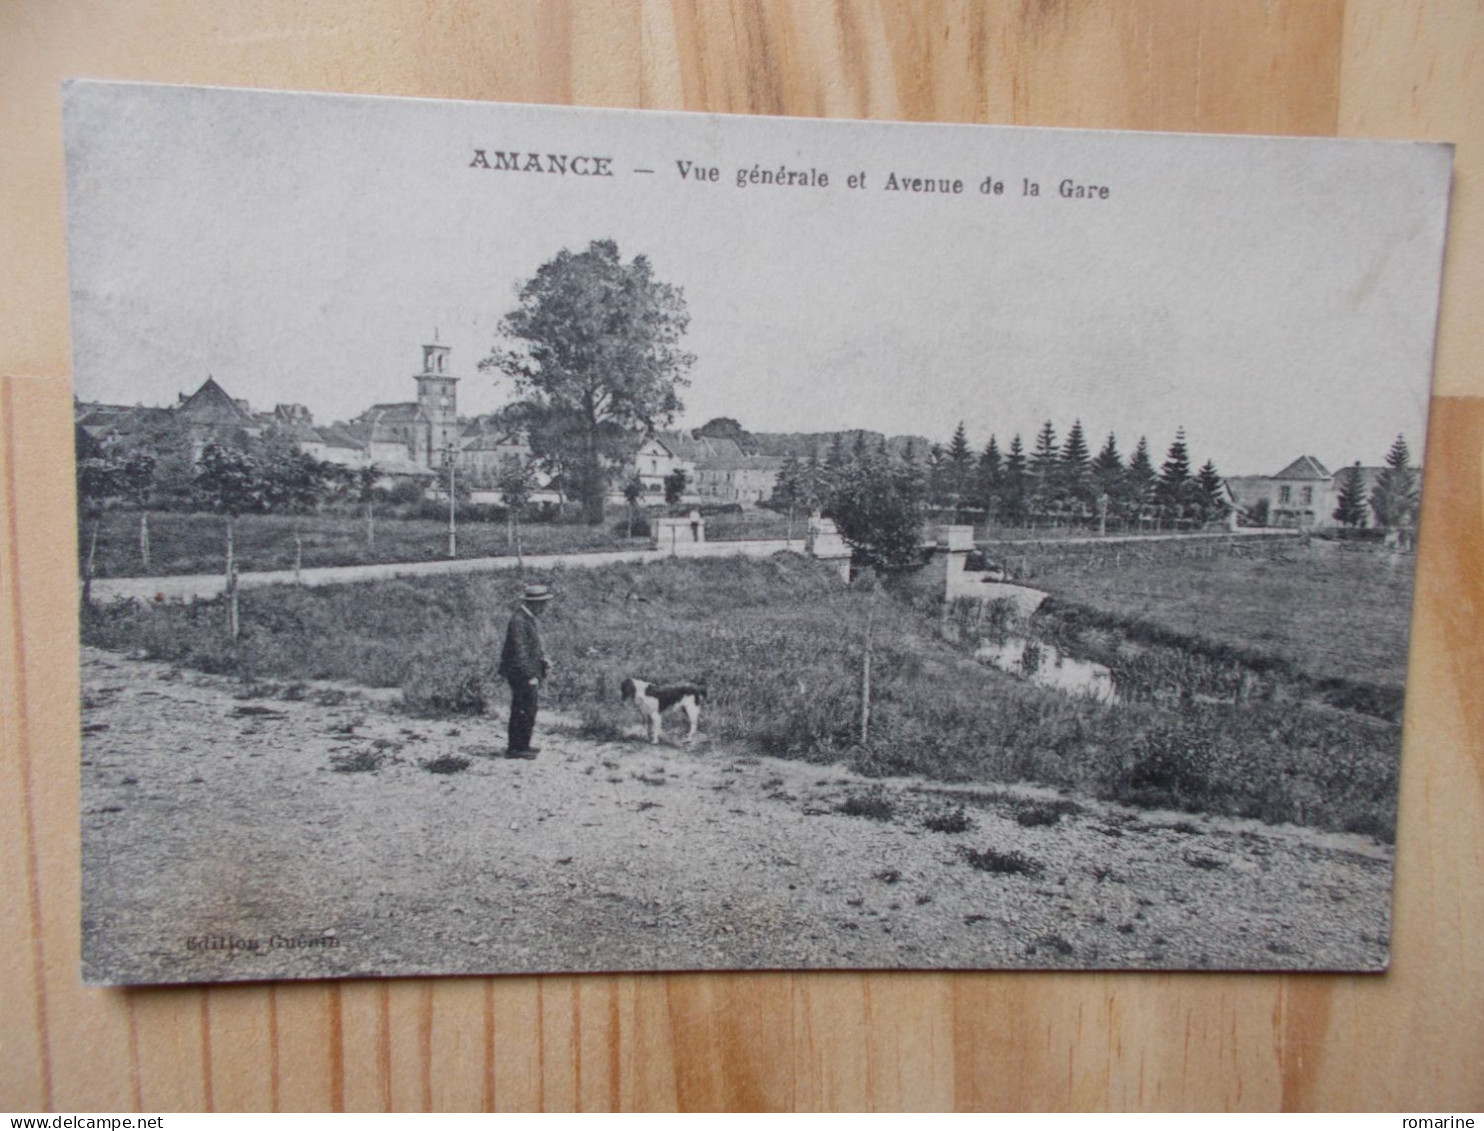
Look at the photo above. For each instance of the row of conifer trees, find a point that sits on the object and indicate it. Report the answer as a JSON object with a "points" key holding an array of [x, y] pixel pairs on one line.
{"points": [[1063, 484], [1056, 483]]}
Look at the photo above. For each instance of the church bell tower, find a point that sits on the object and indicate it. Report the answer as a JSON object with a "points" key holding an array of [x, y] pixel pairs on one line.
{"points": [[437, 396]]}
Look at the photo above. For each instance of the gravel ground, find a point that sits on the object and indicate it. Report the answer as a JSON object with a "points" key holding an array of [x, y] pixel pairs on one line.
{"points": [[228, 838]]}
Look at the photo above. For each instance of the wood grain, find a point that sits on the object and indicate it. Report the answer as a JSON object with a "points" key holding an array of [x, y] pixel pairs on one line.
{"points": [[1413, 1039]]}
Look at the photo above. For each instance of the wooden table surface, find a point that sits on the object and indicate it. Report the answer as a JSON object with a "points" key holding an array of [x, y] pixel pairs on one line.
{"points": [[1411, 1040]]}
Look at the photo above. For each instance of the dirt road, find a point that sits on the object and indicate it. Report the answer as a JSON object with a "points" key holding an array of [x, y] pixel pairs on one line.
{"points": [[308, 835]]}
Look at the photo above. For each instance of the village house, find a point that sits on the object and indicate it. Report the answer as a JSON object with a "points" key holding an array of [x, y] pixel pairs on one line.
{"points": [[1304, 494], [483, 449], [118, 427], [737, 479], [717, 470], [660, 455], [202, 415]]}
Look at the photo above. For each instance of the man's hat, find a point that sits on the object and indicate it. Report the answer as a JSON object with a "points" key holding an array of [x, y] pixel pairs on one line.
{"points": [[537, 593]]}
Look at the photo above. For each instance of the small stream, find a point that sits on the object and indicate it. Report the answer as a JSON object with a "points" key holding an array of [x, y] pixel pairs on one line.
{"points": [[1046, 665]]}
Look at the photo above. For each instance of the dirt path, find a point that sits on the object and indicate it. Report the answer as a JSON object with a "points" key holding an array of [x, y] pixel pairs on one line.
{"points": [[220, 842]]}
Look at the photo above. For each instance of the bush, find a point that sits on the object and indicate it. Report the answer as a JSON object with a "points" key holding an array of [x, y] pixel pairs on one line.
{"points": [[602, 722], [948, 821], [1002, 863], [436, 510], [407, 491], [359, 762], [877, 508], [438, 684], [1034, 814], [447, 764], [641, 528], [874, 805], [1172, 769]]}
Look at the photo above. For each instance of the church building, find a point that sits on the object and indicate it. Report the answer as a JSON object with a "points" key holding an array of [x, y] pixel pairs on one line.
{"points": [[424, 432]]}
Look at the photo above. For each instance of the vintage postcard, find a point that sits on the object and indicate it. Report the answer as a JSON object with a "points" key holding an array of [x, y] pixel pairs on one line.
{"points": [[520, 538]]}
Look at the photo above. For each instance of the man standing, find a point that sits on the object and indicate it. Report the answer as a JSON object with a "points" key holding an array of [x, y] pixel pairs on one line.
{"points": [[523, 664]]}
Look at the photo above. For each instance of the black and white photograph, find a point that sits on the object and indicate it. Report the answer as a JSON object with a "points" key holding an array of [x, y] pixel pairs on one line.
{"points": [[525, 539]]}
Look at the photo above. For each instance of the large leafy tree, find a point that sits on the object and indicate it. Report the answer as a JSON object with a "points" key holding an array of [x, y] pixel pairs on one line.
{"points": [[594, 349], [1394, 498], [722, 428], [294, 481], [878, 508]]}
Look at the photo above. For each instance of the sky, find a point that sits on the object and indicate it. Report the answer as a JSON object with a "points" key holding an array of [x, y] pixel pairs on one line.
{"points": [[1273, 297]]}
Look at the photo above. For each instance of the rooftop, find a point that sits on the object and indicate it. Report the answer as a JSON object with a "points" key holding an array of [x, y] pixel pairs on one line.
{"points": [[1305, 467]]}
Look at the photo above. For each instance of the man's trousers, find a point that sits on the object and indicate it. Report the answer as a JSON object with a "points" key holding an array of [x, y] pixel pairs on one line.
{"points": [[524, 700]]}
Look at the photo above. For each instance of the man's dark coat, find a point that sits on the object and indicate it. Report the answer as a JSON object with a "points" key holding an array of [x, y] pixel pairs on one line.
{"points": [[523, 658]]}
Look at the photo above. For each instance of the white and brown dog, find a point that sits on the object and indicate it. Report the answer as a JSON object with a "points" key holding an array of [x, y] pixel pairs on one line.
{"points": [[653, 699]]}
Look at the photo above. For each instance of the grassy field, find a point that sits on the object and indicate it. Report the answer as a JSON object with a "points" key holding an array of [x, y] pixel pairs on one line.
{"points": [[1331, 610], [193, 543], [781, 643]]}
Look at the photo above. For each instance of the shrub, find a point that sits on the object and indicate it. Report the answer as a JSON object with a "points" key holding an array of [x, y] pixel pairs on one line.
{"points": [[1203, 862], [601, 722], [873, 804], [878, 510], [1364, 698], [1373, 825], [358, 762], [949, 821], [447, 764], [1171, 768], [436, 510], [1002, 863], [641, 527], [446, 683], [1031, 814]]}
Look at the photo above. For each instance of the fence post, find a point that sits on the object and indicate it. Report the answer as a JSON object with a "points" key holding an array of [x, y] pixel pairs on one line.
{"points": [[866, 674]]}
